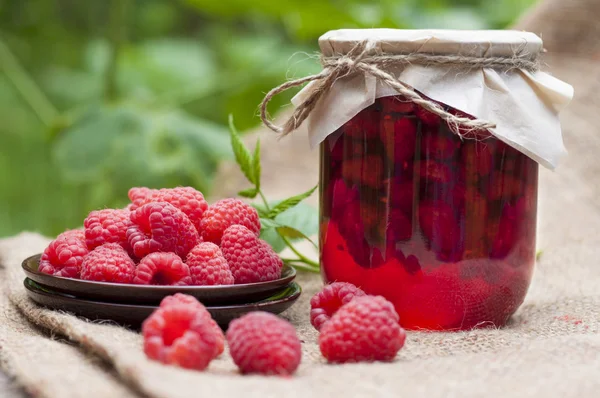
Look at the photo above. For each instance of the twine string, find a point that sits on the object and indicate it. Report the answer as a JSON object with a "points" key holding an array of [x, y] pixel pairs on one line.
{"points": [[360, 59]]}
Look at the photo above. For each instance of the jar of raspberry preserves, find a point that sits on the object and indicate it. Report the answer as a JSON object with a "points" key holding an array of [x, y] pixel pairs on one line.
{"points": [[435, 214]]}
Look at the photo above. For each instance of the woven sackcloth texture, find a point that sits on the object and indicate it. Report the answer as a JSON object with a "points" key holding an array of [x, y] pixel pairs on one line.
{"points": [[551, 347]]}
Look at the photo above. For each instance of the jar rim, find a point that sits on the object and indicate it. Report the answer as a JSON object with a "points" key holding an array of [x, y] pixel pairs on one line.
{"points": [[475, 43]]}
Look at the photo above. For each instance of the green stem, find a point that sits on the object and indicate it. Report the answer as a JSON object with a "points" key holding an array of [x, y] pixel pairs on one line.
{"points": [[302, 267], [262, 196], [26, 86], [301, 258], [116, 36], [297, 253]]}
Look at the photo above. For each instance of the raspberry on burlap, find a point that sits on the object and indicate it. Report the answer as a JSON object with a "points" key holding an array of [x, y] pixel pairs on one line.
{"points": [[365, 329], [181, 332], [260, 342], [326, 302]]}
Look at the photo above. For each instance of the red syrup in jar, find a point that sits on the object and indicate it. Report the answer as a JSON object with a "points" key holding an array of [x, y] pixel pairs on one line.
{"points": [[444, 228]]}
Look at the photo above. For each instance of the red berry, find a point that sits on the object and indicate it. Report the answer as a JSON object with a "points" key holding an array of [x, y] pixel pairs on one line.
{"points": [[180, 298], [365, 329], [439, 146], [108, 263], [160, 226], [162, 269], [427, 118], [208, 266], [181, 332], [186, 199], [439, 225], [260, 342], [396, 104], [326, 303], [367, 170], [107, 226], [362, 126], [505, 186], [225, 213], [250, 259], [64, 255], [399, 135], [434, 171], [401, 194], [507, 234], [398, 226], [477, 157], [138, 195]]}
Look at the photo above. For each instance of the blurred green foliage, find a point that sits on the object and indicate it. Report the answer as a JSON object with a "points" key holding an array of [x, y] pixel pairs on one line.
{"points": [[98, 96]]}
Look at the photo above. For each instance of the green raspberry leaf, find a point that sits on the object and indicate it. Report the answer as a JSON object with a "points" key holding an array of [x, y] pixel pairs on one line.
{"points": [[293, 233], [248, 193], [289, 203], [296, 223], [262, 211], [266, 223], [242, 154], [256, 169]]}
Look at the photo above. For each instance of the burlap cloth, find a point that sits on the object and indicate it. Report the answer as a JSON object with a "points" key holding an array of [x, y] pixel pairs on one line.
{"points": [[551, 348]]}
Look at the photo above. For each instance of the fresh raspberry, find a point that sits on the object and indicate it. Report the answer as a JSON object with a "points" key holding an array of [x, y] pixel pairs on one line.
{"points": [[225, 213], [186, 299], [107, 226], [186, 199], [326, 303], [108, 263], [208, 266], [138, 196], [160, 226], [365, 329], [260, 342], [181, 332], [64, 255], [162, 269], [250, 259]]}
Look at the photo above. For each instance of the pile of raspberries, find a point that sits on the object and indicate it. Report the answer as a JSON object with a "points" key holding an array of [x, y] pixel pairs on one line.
{"points": [[166, 237], [172, 237], [353, 326]]}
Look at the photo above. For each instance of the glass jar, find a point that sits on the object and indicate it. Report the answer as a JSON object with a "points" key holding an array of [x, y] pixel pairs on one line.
{"points": [[439, 219], [442, 226]]}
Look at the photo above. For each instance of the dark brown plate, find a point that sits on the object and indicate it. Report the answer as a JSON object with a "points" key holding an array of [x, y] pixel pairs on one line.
{"points": [[133, 315], [137, 294]]}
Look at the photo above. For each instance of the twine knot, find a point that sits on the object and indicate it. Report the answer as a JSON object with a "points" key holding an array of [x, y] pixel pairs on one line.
{"points": [[362, 59]]}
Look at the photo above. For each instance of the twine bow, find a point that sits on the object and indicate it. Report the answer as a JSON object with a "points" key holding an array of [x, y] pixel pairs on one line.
{"points": [[360, 59]]}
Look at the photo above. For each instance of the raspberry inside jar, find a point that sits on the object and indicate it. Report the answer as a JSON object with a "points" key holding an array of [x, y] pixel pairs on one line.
{"points": [[443, 227]]}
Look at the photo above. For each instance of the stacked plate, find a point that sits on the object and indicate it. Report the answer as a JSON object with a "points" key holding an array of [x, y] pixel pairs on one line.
{"points": [[129, 305]]}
